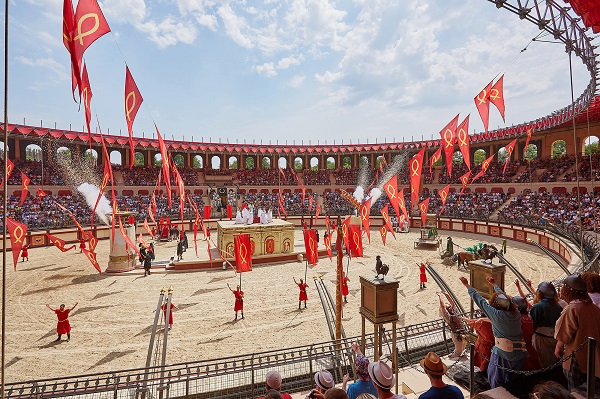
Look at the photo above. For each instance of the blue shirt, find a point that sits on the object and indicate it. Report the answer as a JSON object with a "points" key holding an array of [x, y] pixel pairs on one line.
{"points": [[360, 387], [447, 392]]}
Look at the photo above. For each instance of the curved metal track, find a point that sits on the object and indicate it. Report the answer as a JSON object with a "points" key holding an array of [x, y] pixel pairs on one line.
{"points": [[516, 272], [444, 287], [552, 256]]}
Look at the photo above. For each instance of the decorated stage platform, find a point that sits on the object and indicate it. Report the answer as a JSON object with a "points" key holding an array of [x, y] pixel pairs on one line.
{"points": [[273, 238]]}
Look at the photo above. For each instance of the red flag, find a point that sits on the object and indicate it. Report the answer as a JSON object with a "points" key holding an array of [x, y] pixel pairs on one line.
{"points": [[90, 24], [311, 246], [383, 232], [423, 208], [24, 187], [391, 190], [165, 165], [415, 168], [497, 95], [327, 241], [356, 248], [147, 227], [444, 196], [281, 207], [310, 203], [482, 102], [346, 233], [386, 218], [58, 243], [141, 240], [40, 193], [9, 169], [317, 212], [462, 135], [243, 252], [68, 29], [18, 235], [365, 212], [106, 177], [448, 134], [303, 193], [529, 131], [133, 100], [510, 147], [181, 186], [484, 167], [92, 258], [434, 158], [402, 204], [81, 231], [153, 202], [86, 92], [92, 241], [195, 227], [464, 179], [127, 239], [327, 223]]}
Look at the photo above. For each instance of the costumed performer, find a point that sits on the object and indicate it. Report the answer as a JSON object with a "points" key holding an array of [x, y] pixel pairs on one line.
{"points": [[239, 300], [63, 326], [303, 296]]}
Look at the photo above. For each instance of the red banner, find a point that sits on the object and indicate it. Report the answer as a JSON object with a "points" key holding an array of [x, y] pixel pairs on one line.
{"points": [[141, 240], [40, 193], [346, 233], [243, 252], [383, 232], [464, 179], [317, 212], [311, 246], [127, 239], [448, 135], [133, 100], [444, 196], [165, 165], [510, 147], [415, 167], [58, 243], [92, 258], [484, 167], [229, 211], [181, 187], [303, 193], [18, 235], [356, 247], [89, 25], [462, 136], [24, 187], [92, 241], [423, 208], [529, 131], [86, 94], [327, 241], [365, 213], [497, 95], [386, 218], [391, 190], [68, 33], [9, 169], [402, 204], [206, 211], [147, 228], [434, 158], [482, 102], [310, 203]]}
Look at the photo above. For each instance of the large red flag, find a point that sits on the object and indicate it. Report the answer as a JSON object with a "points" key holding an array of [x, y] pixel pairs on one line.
{"points": [[448, 134], [147, 228], [58, 243], [243, 252], [365, 212], [383, 232], [195, 227], [68, 29], [356, 248], [402, 204], [464, 179], [127, 239], [346, 233], [462, 135], [90, 24], [510, 147], [9, 169], [482, 102], [529, 131], [497, 95], [386, 218], [327, 242], [106, 177], [415, 167], [133, 100], [86, 93], [484, 167], [391, 190], [311, 246], [92, 258], [444, 196], [434, 158], [92, 241], [18, 235], [423, 208], [40, 193], [24, 187], [165, 164], [181, 186]]}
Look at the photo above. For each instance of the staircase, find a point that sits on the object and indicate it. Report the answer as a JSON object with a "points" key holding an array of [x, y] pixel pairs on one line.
{"points": [[494, 215]]}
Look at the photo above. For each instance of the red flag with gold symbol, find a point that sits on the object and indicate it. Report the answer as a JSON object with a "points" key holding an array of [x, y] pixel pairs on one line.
{"points": [[311, 246], [383, 231], [529, 131], [464, 179], [165, 165], [127, 239], [497, 95], [41, 193], [444, 196], [386, 218], [86, 93], [58, 243], [9, 169], [356, 247], [18, 235], [434, 159], [92, 258], [462, 136], [482, 103], [327, 242], [346, 233], [24, 187], [391, 190], [317, 212], [423, 208], [68, 33], [147, 228], [415, 166], [243, 253], [92, 241], [365, 213], [510, 147], [484, 167], [448, 134], [402, 204], [133, 100]]}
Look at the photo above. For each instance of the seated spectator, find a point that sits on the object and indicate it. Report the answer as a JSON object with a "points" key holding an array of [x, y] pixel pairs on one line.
{"points": [[273, 383], [384, 380], [435, 369], [592, 283], [578, 321], [551, 390], [544, 313], [364, 383]]}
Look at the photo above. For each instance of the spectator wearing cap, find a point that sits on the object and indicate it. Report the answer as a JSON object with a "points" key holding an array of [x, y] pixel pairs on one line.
{"points": [[509, 351], [273, 383], [532, 362], [579, 320], [383, 378], [364, 383], [323, 382], [435, 369], [544, 313]]}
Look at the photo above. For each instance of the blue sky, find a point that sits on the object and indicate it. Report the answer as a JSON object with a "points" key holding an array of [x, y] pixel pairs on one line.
{"points": [[295, 70]]}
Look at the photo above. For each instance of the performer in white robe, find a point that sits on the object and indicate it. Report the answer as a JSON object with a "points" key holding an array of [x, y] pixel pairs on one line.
{"points": [[238, 218]]}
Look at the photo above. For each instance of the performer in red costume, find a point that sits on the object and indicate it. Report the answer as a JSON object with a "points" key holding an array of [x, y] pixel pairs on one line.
{"points": [[422, 276], [164, 309], [345, 280], [239, 300], [24, 253], [63, 326], [81, 245], [303, 297]]}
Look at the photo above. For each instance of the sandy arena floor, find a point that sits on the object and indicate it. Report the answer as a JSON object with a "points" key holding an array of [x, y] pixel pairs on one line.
{"points": [[112, 323]]}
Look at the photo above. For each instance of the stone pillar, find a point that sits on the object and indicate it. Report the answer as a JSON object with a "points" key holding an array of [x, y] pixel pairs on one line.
{"points": [[119, 260]]}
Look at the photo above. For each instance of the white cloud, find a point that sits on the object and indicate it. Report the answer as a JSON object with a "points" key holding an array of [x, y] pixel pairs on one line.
{"points": [[124, 11], [328, 77], [267, 69], [286, 62], [296, 81], [169, 32], [234, 26], [47, 63]]}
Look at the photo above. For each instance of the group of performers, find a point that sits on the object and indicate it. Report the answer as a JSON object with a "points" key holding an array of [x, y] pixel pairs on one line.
{"points": [[246, 214]]}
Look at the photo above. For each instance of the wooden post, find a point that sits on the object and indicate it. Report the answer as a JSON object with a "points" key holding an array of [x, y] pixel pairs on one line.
{"points": [[338, 290]]}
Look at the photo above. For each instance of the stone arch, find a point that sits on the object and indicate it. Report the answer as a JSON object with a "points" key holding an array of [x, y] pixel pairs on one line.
{"points": [[33, 152], [282, 163], [589, 145], [479, 156], [232, 162], [531, 152], [198, 162], [363, 161], [346, 162], [330, 163], [179, 160], [558, 149], [91, 153], [265, 163], [379, 160], [215, 162], [2, 150], [64, 152], [250, 163], [457, 159], [117, 159], [314, 163], [298, 163], [157, 160]]}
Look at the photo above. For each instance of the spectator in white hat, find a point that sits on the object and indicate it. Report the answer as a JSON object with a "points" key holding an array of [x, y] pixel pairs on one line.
{"points": [[323, 382], [383, 378], [273, 382]]}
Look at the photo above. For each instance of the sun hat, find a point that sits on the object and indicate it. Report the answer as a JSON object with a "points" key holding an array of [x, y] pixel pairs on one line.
{"points": [[547, 289], [576, 283], [433, 365], [273, 379], [520, 302], [324, 379], [361, 365], [381, 374]]}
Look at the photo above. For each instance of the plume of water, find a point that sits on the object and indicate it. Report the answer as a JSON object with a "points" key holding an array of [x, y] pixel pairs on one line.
{"points": [[90, 193], [374, 195], [359, 194]]}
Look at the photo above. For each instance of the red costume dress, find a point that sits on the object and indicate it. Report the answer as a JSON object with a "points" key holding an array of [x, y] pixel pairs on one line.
{"points": [[239, 301], [25, 252], [63, 326], [164, 308], [345, 286], [303, 296], [422, 275], [81, 244], [484, 343]]}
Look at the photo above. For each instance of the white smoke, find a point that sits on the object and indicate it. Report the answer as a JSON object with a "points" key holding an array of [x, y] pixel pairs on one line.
{"points": [[90, 193], [359, 194], [374, 195]]}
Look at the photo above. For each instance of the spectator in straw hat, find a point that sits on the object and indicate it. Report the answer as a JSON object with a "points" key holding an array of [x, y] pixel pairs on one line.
{"points": [[364, 383], [435, 369], [273, 382], [383, 378], [324, 382]]}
